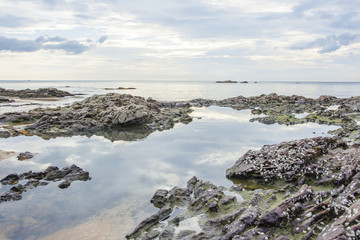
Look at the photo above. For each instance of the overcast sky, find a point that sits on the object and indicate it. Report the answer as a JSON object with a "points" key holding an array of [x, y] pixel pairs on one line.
{"points": [[252, 40]]}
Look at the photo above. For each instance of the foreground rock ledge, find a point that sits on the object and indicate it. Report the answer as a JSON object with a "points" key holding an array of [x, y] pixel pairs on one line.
{"points": [[313, 192], [116, 116]]}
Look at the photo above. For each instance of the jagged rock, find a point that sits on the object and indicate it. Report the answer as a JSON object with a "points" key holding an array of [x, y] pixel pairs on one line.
{"points": [[101, 114], [285, 161], [52, 173], [288, 209], [150, 221]]}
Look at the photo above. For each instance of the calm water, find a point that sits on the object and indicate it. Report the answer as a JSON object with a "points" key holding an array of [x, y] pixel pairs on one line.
{"points": [[126, 174]]}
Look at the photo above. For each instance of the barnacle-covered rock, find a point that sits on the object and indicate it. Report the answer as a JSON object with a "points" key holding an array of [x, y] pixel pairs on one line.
{"points": [[285, 161]]}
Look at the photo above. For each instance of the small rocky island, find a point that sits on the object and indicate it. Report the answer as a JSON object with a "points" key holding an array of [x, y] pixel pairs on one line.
{"points": [[226, 81], [36, 93]]}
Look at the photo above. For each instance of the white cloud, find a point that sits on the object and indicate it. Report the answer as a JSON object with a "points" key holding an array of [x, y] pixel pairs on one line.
{"points": [[136, 36]]}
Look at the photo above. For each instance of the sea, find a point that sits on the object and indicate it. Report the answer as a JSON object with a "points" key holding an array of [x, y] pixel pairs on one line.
{"points": [[125, 174]]}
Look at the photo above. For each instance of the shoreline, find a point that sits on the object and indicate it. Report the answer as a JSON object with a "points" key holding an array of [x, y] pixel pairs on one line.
{"points": [[271, 109]]}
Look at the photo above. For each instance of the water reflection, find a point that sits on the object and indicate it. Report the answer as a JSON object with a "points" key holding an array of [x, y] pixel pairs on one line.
{"points": [[113, 134], [126, 174]]}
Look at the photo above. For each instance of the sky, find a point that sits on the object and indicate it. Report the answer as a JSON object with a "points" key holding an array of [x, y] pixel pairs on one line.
{"points": [[242, 40]]}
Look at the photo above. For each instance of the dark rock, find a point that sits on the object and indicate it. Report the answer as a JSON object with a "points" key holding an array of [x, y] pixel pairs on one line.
{"points": [[285, 161], [64, 184], [150, 221], [288, 209], [226, 81], [159, 198], [10, 179], [38, 93], [116, 116], [52, 173], [25, 155]]}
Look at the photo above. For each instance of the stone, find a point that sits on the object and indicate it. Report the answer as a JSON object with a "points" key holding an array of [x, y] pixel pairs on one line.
{"points": [[52, 173], [37, 93], [25, 155], [10, 179]]}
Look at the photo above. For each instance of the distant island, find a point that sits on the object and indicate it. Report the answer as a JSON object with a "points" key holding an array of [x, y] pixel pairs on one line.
{"points": [[120, 88], [227, 81], [230, 81]]}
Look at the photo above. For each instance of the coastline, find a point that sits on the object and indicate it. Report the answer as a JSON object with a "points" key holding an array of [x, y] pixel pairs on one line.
{"points": [[265, 104]]}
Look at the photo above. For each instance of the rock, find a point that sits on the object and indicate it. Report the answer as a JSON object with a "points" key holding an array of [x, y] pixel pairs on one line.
{"points": [[288, 209], [150, 221], [38, 93], [226, 81], [25, 155], [110, 114], [285, 161], [52, 173], [10, 179]]}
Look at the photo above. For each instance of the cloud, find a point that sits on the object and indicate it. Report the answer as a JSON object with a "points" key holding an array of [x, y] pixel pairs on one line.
{"points": [[46, 43], [11, 21], [43, 39], [72, 47], [16, 45], [102, 39], [328, 44]]}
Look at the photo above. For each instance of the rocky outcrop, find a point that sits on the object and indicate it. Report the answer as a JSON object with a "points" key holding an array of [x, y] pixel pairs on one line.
{"points": [[67, 175], [287, 161], [312, 192], [36, 93], [102, 114], [289, 110]]}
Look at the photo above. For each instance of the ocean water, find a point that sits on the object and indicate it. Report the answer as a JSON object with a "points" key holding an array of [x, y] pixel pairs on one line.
{"points": [[125, 174]]}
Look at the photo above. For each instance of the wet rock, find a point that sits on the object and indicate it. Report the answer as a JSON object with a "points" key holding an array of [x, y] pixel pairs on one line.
{"points": [[25, 155], [285, 161], [10, 179], [103, 115], [159, 198], [52, 173], [5, 100], [322, 202], [288, 209], [150, 221]]}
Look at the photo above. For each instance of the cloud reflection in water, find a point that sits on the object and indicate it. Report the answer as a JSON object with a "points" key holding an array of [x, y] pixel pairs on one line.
{"points": [[122, 170]]}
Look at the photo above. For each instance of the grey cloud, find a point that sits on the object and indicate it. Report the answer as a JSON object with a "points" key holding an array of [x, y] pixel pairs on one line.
{"points": [[102, 39], [43, 39], [55, 43], [11, 21], [328, 44], [347, 21], [16, 45], [72, 47]]}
